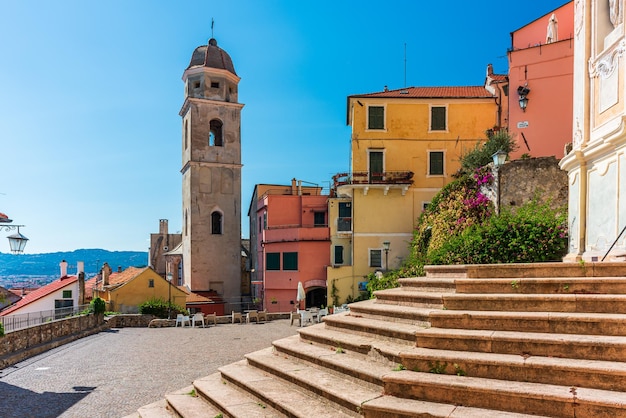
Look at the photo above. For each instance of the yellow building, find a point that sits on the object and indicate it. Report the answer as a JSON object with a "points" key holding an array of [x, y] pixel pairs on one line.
{"points": [[406, 145], [125, 291]]}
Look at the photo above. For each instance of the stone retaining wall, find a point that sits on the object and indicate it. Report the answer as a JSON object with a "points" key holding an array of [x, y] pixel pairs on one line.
{"points": [[21, 344]]}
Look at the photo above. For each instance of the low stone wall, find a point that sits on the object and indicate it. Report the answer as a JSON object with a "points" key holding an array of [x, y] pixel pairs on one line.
{"points": [[21, 344], [129, 320]]}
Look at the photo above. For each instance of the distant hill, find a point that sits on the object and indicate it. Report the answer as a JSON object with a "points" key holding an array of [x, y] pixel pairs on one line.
{"points": [[47, 265]]}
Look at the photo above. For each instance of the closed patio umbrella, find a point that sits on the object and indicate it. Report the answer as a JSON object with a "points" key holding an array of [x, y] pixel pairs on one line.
{"points": [[301, 294]]}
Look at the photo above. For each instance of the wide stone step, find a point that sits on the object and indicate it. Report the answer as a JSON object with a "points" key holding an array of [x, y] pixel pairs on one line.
{"points": [[391, 406], [427, 284], [187, 404], [243, 391], [367, 368], [521, 270], [606, 375], [156, 409], [372, 327], [573, 346], [349, 393], [397, 313], [555, 322], [542, 303], [521, 397], [399, 296], [554, 285]]}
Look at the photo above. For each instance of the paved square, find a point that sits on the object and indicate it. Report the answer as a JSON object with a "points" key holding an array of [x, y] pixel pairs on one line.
{"points": [[113, 373]]}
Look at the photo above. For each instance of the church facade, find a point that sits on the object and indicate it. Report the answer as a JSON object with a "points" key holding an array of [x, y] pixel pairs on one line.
{"points": [[596, 165]]}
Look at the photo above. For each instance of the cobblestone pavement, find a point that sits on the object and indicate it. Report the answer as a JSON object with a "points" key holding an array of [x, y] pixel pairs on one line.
{"points": [[113, 373]]}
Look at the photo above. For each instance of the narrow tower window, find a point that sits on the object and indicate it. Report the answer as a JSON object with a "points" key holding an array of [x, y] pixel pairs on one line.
{"points": [[215, 136], [216, 223]]}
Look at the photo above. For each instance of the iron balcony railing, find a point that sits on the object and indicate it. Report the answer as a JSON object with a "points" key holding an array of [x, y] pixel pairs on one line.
{"points": [[367, 177]]}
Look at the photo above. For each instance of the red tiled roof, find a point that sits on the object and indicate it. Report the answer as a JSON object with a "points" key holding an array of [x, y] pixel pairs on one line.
{"points": [[498, 77], [432, 93], [194, 297], [119, 278], [40, 293]]}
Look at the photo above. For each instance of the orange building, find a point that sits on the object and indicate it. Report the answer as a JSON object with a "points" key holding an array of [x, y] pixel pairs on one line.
{"points": [[541, 81]]}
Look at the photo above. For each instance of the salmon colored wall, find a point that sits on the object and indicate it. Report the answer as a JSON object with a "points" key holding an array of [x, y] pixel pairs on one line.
{"points": [[547, 70], [534, 33]]}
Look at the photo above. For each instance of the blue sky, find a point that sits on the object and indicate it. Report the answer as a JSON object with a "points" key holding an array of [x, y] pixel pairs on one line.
{"points": [[90, 135]]}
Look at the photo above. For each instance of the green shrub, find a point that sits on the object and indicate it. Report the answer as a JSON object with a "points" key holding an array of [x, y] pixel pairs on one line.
{"points": [[160, 308], [1, 330], [97, 306], [482, 154], [533, 233]]}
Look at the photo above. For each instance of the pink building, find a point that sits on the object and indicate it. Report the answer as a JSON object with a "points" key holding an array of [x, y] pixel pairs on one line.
{"points": [[289, 243], [541, 67]]}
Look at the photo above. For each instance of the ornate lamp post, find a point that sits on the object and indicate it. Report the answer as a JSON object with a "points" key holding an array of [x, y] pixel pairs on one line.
{"points": [[386, 246], [169, 295], [17, 241]]}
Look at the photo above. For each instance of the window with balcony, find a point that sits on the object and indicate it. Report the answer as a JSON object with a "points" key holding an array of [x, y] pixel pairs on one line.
{"points": [[344, 222], [319, 219]]}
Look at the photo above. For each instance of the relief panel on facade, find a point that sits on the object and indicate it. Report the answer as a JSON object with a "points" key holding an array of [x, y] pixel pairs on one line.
{"points": [[602, 186]]}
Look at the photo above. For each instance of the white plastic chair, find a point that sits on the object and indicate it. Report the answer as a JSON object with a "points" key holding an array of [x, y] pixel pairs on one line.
{"points": [[182, 319], [197, 318], [321, 313], [306, 317]]}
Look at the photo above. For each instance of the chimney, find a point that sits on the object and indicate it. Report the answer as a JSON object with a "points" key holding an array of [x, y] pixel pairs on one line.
{"points": [[80, 267], [63, 265], [81, 288], [294, 186], [162, 226], [119, 269], [106, 271]]}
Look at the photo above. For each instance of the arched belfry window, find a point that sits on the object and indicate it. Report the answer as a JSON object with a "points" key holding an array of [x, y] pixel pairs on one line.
{"points": [[216, 223], [215, 135]]}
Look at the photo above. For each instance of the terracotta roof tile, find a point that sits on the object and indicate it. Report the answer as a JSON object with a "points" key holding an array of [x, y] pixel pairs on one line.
{"points": [[432, 93], [194, 297]]}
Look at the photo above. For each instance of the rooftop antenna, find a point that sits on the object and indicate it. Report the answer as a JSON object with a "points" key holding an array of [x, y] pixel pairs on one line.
{"points": [[405, 64], [212, 24]]}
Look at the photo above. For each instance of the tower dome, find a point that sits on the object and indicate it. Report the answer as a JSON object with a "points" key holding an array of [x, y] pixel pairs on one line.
{"points": [[211, 56]]}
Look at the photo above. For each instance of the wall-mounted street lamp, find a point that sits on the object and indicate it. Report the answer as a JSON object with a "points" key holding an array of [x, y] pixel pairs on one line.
{"points": [[17, 241], [386, 246], [523, 91]]}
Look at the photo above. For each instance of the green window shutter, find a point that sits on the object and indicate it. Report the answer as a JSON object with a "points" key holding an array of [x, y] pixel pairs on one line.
{"points": [[376, 117], [272, 261], [436, 163], [437, 118], [290, 261]]}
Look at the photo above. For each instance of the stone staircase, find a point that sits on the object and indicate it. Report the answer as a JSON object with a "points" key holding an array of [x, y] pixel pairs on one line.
{"points": [[464, 341]]}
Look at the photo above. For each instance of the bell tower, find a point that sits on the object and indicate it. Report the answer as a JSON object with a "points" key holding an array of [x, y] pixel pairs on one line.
{"points": [[211, 169]]}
